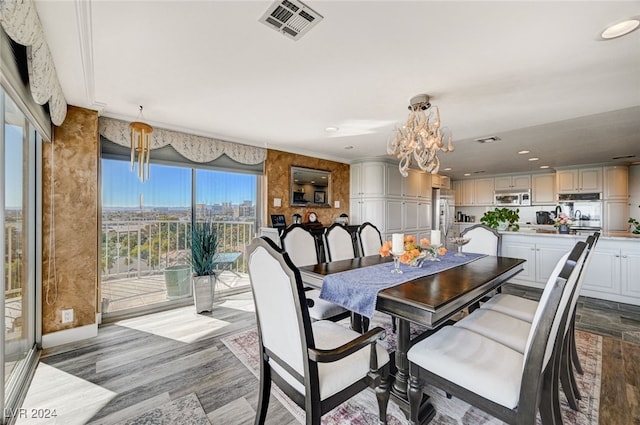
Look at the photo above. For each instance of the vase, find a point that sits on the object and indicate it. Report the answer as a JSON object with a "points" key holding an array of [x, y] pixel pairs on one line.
{"points": [[177, 279], [203, 290], [563, 229]]}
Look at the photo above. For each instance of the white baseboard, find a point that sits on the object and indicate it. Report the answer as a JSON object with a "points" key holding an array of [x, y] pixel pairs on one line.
{"points": [[69, 335]]}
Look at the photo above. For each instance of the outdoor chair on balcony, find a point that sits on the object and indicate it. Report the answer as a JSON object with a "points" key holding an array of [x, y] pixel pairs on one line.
{"points": [[319, 365], [510, 385], [301, 246]]}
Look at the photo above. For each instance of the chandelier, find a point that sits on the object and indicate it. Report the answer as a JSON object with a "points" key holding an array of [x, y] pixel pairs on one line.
{"points": [[140, 146], [421, 138]]}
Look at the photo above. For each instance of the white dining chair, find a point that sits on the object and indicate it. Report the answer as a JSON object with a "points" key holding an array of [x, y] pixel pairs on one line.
{"points": [[483, 240], [369, 239], [301, 246], [338, 243], [319, 365], [510, 385]]}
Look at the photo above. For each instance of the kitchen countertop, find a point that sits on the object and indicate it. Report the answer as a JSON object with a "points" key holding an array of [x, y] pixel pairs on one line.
{"points": [[544, 232]]}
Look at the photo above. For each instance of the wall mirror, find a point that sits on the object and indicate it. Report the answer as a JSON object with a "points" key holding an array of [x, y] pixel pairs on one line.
{"points": [[310, 187]]}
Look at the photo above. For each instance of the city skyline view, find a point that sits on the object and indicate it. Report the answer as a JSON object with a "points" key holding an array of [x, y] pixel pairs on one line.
{"points": [[170, 187]]}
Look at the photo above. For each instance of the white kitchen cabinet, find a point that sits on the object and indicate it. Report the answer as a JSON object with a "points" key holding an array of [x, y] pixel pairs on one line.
{"points": [[543, 189], [616, 182], [515, 182], [394, 213], [457, 192], [616, 216], [483, 191], [364, 210], [467, 193], [424, 215], [413, 184], [577, 180], [440, 182], [395, 181], [613, 271], [541, 255], [368, 179]]}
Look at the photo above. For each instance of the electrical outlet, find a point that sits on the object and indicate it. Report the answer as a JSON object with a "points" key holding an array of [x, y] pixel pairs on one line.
{"points": [[67, 316]]}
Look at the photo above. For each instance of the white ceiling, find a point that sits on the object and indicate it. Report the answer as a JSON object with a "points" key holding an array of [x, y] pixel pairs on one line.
{"points": [[534, 74]]}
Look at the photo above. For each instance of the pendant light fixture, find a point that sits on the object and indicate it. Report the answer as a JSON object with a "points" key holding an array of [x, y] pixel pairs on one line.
{"points": [[140, 146]]}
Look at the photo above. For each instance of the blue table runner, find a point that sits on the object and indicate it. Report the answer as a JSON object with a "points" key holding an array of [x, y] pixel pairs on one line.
{"points": [[357, 290]]}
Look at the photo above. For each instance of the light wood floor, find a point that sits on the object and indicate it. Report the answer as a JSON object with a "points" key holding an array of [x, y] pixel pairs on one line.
{"points": [[137, 364]]}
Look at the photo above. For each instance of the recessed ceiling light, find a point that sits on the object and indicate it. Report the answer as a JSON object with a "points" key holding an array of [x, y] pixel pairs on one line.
{"points": [[467, 174], [620, 29], [331, 129], [523, 152], [534, 159], [324, 177], [447, 169], [489, 139], [544, 166], [348, 147]]}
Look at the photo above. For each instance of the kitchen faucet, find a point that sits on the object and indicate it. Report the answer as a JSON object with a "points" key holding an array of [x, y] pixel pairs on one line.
{"points": [[578, 215], [558, 210]]}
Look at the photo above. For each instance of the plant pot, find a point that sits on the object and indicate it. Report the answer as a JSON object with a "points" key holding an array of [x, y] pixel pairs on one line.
{"points": [[563, 229], [203, 290], [503, 225], [177, 279]]}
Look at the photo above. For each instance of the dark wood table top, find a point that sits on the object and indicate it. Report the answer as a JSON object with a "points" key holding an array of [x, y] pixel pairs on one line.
{"points": [[428, 300]]}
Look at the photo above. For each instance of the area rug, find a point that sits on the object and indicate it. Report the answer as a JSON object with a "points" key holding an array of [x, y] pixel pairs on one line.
{"points": [[184, 410], [362, 409]]}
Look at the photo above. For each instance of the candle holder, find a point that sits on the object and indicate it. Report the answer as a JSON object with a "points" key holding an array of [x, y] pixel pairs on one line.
{"points": [[433, 252], [396, 262]]}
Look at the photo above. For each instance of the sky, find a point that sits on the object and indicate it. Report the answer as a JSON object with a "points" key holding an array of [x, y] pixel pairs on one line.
{"points": [[13, 166], [171, 186]]}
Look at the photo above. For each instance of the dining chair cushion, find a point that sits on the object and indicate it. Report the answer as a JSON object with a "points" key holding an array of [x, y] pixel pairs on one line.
{"points": [[472, 361], [321, 309], [336, 376], [483, 240], [502, 328], [512, 305], [301, 246]]}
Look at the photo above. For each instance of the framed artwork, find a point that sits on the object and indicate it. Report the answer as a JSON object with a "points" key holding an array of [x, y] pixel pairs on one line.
{"points": [[319, 197], [278, 221]]}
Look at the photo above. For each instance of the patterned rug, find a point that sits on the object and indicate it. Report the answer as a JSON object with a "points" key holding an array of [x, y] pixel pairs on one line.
{"points": [[184, 410], [362, 409]]}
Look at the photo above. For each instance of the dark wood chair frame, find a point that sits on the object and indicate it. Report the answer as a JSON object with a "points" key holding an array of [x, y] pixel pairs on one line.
{"points": [[536, 390], [332, 228], [377, 378], [359, 232]]}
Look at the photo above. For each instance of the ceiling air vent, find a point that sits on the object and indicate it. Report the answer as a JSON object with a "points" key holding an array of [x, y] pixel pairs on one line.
{"points": [[291, 17], [489, 139]]}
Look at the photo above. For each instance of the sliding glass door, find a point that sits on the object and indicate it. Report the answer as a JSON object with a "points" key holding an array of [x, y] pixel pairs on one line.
{"points": [[17, 145]]}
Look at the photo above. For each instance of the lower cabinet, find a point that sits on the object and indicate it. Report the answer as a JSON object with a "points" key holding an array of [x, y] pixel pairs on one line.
{"points": [[542, 255], [613, 272]]}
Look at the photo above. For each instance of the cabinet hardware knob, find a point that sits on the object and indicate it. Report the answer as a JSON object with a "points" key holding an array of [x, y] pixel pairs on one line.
{"points": [[617, 256], [624, 256]]}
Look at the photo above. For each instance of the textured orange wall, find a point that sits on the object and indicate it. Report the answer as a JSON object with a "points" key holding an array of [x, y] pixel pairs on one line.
{"points": [[76, 221], [277, 171]]}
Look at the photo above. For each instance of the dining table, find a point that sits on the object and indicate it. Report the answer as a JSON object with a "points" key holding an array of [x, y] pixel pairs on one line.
{"points": [[429, 301]]}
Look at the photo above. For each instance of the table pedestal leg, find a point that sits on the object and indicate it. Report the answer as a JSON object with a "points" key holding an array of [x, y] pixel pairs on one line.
{"points": [[402, 375]]}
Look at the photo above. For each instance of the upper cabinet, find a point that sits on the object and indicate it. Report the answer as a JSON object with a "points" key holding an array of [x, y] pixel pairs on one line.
{"points": [[579, 180], [515, 182], [368, 179], [440, 182], [543, 189], [616, 182], [416, 185], [483, 191]]}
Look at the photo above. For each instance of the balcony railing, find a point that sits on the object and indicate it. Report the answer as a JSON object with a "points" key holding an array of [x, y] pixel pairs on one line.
{"points": [[144, 248]]}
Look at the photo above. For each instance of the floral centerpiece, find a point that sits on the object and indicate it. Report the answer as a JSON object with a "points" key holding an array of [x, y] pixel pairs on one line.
{"points": [[414, 252], [563, 222]]}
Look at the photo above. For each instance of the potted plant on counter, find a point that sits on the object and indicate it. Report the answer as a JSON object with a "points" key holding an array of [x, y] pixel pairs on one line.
{"points": [[502, 219], [204, 243], [563, 222]]}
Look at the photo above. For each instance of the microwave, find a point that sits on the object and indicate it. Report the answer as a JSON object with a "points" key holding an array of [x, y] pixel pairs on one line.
{"points": [[512, 198]]}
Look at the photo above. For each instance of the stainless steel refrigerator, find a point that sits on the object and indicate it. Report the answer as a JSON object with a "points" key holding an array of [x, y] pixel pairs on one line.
{"points": [[443, 212]]}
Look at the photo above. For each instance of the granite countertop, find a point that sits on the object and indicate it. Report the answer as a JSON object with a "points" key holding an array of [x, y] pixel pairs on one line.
{"points": [[549, 231]]}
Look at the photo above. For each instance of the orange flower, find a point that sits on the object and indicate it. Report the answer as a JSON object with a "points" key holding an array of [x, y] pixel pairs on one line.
{"points": [[406, 258], [425, 242], [442, 250], [410, 239], [385, 249], [414, 252]]}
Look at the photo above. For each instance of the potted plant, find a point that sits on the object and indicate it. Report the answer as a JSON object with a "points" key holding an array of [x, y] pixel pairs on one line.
{"points": [[563, 222], [502, 219], [204, 243]]}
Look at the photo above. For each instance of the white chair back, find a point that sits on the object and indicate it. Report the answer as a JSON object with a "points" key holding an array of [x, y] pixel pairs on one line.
{"points": [[271, 233], [300, 244], [370, 239], [484, 240], [277, 301], [338, 243], [544, 300], [591, 244]]}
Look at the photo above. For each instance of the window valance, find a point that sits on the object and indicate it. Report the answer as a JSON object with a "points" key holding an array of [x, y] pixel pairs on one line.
{"points": [[195, 148], [20, 21]]}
